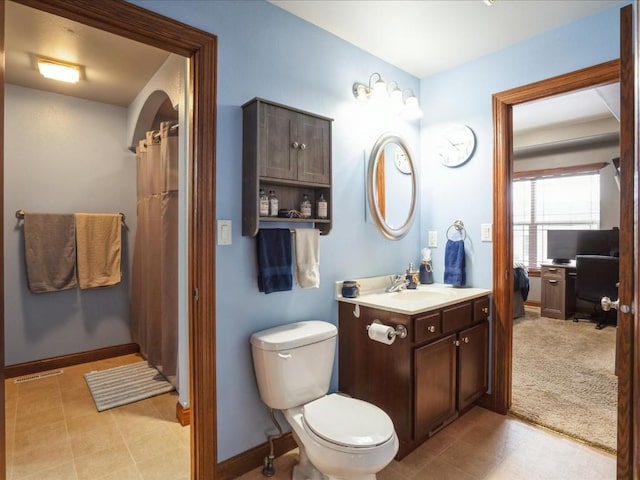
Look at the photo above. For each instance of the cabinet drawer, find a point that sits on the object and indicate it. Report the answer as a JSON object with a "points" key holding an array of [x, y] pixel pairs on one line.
{"points": [[553, 272], [456, 317], [481, 309], [427, 327]]}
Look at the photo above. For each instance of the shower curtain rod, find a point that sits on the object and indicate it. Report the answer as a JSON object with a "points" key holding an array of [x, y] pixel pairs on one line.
{"points": [[20, 215], [173, 128]]}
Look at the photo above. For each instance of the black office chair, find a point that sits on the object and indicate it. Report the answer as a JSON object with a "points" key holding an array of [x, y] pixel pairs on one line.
{"points": [[596, 277]]}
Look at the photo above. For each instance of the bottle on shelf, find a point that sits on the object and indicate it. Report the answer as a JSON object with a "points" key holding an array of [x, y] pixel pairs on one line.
{"points": [[305, 206], [264, 204], [273, 204], [322, 207]]}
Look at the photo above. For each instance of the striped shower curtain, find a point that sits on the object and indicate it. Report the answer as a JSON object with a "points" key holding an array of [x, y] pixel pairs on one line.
{"points": [[154, 295]]}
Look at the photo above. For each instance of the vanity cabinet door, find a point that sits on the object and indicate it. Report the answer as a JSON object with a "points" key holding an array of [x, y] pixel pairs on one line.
{"points": [[314, 160], [473, 355], [435, 385], [278, 130]]}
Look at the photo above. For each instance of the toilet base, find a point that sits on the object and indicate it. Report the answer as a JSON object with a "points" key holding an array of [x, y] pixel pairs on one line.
{"points": [[305, 470]]}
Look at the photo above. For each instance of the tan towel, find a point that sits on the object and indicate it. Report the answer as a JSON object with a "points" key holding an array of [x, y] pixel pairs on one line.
{"points": [[307, 249], [99, 246], [50, 251]]}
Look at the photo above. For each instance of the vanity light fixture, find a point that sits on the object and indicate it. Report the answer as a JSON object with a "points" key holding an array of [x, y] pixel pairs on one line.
{"points": [[399, 101], [411, 106], [62, 71]]}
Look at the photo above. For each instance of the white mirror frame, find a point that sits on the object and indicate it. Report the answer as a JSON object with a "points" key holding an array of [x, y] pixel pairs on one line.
{"points": [[388, 231]]}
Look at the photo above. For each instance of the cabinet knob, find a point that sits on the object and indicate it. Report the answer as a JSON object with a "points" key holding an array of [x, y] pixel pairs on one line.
{"points": [[456, 343], [295, 144], [465, 339], [303, 146], [485, 310], [431, 328]]}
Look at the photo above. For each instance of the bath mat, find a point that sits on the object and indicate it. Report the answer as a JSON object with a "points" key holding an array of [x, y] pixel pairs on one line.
{"points": [[127, 384]]}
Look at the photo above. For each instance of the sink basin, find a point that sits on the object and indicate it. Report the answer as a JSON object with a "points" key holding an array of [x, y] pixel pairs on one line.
{"points": [[421, 295], [423, 299]]}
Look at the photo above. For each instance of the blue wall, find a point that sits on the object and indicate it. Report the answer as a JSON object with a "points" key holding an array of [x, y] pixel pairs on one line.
{"points": [[463, 95], [266, 52]]}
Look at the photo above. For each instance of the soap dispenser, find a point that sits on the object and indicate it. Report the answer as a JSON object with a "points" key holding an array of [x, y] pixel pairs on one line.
{"points": [[426, 270], [412, 281]]}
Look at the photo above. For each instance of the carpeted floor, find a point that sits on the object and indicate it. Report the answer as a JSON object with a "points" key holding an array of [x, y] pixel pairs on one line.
{"points": [[563, 377]]}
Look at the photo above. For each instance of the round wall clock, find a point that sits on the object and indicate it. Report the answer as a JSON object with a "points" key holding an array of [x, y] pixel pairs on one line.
{"points": [[455, 145], [402, 162]]}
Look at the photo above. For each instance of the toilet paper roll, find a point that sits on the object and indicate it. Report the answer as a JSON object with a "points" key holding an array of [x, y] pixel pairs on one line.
{"points": [[382, 333]]}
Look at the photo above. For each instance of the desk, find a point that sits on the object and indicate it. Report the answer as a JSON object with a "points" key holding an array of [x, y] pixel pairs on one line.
{"points": [[558, 287]]}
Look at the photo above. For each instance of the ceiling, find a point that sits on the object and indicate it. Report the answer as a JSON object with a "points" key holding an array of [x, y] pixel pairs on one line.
{"points": [[116, 69], [425, 37]]}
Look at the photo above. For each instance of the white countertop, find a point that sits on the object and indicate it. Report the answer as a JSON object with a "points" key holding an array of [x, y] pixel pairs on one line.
{"points": [[409, 302]]}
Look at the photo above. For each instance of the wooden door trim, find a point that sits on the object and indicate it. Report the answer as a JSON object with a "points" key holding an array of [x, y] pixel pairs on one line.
{"points": [[135, 23], [502, 325]]}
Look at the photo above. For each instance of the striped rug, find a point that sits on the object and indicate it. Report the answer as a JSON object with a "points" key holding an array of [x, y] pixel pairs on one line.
{"points": [[127, 384]]}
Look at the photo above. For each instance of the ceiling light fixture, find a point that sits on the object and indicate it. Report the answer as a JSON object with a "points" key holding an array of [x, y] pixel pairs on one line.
{"points": [[399, 101], [488, 3], [55, 70]]}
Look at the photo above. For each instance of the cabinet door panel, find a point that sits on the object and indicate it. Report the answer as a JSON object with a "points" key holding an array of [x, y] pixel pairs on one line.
{"points": [[314, 159], [278, 157], [435, 377], [472, 368]]}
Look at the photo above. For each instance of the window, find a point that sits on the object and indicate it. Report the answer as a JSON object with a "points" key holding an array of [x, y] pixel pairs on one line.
{"points": [[564, 198]]}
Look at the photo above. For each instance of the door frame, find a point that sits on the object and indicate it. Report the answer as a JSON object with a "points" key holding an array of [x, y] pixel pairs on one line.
{"points": [[130, 21], [502, 326]]}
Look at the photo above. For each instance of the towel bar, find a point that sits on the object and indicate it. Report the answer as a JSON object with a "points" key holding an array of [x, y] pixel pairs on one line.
{"points": [[20, 215]]}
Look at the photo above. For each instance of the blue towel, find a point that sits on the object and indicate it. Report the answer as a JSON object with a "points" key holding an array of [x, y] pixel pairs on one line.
{"points": [[454, 263], [274, 260]]}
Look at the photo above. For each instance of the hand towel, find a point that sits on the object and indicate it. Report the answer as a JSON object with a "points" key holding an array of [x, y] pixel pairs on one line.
{"points": [[50, 251], [454, 263], [99, 246], [274, 260], [307, 249]]}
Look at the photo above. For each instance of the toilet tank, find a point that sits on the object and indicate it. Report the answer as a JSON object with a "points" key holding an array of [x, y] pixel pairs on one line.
{"points": [[293, 362]]}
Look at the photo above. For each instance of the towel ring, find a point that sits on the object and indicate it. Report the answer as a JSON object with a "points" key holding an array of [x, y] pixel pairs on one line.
{"points": [[459, 226]]}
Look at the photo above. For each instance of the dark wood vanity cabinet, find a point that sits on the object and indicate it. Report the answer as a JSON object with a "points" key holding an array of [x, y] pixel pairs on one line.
{"points": [[425, 380], [289, 151]]}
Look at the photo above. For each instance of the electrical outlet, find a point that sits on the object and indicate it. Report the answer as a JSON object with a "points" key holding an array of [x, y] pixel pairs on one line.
{"points": [[433, 239], [486, 233]]}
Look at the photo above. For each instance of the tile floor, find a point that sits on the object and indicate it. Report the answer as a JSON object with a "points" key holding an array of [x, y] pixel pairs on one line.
{"points": [[485, 445], [54, 432]]}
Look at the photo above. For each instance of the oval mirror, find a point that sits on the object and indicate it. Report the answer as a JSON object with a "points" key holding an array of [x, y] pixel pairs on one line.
{"points": [[391, 186]]}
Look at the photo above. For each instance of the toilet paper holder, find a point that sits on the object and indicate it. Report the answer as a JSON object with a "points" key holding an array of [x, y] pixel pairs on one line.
{"points": [[400, 330]]}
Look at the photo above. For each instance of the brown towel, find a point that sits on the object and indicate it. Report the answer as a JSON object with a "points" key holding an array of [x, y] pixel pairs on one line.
{"points": [[99, 245], [50, 251]]}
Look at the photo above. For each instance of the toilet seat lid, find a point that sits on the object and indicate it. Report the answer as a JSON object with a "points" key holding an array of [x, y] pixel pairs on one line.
{"points": [[347, 421]]}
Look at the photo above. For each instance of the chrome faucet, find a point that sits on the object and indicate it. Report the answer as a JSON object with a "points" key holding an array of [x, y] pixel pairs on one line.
{"points": [[398, 282]]}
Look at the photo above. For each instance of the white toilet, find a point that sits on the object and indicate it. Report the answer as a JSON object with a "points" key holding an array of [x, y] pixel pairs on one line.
{"points": [[339, 437]]}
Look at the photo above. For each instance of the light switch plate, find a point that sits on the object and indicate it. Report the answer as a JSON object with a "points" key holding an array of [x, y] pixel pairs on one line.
{"points": [[224, 232], [433, 239], [486, 233]]}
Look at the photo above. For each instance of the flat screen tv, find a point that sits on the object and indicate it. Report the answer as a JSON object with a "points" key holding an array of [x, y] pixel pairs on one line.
{"points": [[564, 245]]}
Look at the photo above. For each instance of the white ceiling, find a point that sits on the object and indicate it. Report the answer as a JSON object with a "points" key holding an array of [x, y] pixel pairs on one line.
{"points": [[423, 37], [115, 68]]}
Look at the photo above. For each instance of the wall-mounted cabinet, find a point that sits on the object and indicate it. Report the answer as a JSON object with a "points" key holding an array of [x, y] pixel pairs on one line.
{"points": [[288, 151]]}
